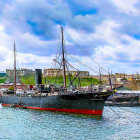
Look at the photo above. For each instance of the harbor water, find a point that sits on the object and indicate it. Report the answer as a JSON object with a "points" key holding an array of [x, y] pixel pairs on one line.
{"points": [[115, 124]]}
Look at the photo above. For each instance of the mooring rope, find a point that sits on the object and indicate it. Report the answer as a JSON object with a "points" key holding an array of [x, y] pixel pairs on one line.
{"points": [[114, 111], [129, 111]]}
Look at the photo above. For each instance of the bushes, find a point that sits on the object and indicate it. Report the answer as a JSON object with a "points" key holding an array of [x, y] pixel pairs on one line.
{"points": [[11, 88], [2, 80], [28, 79]]}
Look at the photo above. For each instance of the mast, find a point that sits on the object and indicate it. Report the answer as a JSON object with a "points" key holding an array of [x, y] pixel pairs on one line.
{"points": [[110, 81], [100, 77], [63, 59], [14, 68]]}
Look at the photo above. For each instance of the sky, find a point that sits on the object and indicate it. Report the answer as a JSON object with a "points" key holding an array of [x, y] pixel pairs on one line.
{"points": [[107, 31]]}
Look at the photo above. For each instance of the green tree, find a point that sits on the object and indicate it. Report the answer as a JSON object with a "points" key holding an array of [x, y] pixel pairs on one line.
{"points": [[11, 88]]}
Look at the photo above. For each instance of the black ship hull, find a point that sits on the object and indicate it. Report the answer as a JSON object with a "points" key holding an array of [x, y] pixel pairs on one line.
{"points": [[76, 103]]}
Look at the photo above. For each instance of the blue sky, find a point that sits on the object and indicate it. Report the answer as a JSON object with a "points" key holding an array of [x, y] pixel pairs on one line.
{"points": [[108, 31]]}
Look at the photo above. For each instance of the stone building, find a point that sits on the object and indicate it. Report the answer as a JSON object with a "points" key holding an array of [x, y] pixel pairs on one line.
{"points": [[120, 75], [134, 84], [82, 73], [52, 72], [59, 72], [19, 72]]}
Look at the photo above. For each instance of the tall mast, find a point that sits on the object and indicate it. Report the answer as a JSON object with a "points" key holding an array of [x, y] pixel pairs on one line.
{"points": [[14, 67], [63, 59], [100, 76], [110, 80]]}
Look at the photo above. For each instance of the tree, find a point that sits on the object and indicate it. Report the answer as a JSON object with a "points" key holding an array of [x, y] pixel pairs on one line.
{"points": [[11, 88]]}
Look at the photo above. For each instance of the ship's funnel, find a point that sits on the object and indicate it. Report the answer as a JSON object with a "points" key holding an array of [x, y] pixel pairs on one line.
{"points": [[38, 76]]}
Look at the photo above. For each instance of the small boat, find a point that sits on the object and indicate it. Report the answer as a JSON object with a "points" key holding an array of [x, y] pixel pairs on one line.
{"points": [[127, 101], [122, 104]]}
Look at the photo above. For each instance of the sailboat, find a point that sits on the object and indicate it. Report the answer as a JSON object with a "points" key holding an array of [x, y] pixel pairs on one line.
{"points": [[62, 99]]}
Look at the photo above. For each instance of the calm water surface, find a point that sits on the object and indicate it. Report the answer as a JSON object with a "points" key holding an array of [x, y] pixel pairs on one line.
{"points": [[23, 124]]}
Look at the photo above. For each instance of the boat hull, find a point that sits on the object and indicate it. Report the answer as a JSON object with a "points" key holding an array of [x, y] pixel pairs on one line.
{"points": [[84, 104]]}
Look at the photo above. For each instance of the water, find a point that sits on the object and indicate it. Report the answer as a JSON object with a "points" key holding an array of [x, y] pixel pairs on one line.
{"points": [[24, 124]]}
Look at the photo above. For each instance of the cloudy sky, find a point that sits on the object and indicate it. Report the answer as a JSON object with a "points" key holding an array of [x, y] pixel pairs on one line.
{"points": [[107, 31]]}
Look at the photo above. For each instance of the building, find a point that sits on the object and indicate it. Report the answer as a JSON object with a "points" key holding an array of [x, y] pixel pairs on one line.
{"points": [[105, 77], [134, 84], [52, 72], [8, 85], [120, 75], [136, 76], [59, 72], [129, 77], [114, 79], [19, 72], [81, 74]]}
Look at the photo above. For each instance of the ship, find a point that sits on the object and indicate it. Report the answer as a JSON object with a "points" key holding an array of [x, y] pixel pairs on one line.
{"points": [[60, 99], [124, 99]]}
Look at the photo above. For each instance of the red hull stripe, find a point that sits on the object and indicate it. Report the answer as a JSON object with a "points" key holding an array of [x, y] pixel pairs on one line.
{"points": [[82, 111]]}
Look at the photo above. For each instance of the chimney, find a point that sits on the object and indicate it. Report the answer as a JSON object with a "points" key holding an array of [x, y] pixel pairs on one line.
{"points": [[38, 77]]}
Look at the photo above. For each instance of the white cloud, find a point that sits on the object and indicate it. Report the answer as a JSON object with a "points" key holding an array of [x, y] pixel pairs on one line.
{"points": [[25, 59], [1, 28], [126, 6], [122, 50], [102, 34], [78, 36], [106, 31]]}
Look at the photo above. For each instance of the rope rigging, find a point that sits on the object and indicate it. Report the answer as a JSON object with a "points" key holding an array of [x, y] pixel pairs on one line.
{"points": [[83, 64], [59, 59], [93, 60]]}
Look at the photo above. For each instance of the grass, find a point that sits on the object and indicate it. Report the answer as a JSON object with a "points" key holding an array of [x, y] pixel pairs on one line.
{"points": [[2, 79], [30, 80]]}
